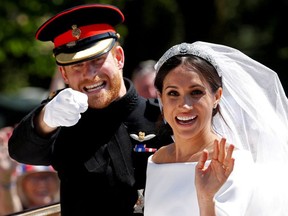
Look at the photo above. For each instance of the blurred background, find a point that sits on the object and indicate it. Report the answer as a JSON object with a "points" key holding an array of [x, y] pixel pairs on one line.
{"points": [[258, 28]]}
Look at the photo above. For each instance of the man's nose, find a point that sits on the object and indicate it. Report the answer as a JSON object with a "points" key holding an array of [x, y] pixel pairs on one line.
{"points": [[90, 69]]}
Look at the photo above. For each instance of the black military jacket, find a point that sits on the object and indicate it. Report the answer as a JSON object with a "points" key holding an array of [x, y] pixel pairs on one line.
{"points": [[101, 161]]}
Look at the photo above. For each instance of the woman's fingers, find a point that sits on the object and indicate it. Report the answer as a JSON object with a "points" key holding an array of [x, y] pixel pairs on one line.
{"points": [[219, 150], [202, 160], [223, 155], [222, 150], [229, 160], [215, 150]]}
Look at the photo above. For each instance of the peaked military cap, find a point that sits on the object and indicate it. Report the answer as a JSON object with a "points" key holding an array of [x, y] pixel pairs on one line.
{"points": [[81, 33]]}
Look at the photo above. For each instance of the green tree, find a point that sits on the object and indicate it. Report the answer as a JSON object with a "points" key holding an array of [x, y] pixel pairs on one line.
{"points": [[257, 28]]}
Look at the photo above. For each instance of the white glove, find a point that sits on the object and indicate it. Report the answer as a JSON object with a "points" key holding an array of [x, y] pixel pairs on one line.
{"points": [[65, 108]]}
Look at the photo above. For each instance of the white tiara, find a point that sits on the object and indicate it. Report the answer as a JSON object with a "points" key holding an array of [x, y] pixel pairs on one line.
{"points": [[188, 49]]}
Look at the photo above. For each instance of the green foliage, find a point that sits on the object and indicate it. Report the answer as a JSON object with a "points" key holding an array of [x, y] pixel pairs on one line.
{"points": [[25, 61], [151, 26], [19, 51]]}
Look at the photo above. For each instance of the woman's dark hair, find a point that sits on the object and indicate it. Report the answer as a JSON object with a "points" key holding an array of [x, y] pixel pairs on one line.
{"points": [[195, 63]]}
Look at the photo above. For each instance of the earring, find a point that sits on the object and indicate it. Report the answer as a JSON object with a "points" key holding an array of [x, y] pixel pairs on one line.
{"points": [[215, 105]]}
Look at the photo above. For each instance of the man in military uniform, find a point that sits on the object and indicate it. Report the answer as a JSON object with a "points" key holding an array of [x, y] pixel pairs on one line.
{"points": [[89, 131]]}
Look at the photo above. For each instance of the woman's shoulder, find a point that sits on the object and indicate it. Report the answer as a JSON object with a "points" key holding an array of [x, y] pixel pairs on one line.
{"points": [[161, 155]]}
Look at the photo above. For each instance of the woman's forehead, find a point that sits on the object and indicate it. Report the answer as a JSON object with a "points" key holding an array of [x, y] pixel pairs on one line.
{"points": [[181, 73]]}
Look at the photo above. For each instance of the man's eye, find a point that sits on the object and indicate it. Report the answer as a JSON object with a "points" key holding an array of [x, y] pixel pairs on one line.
{"points": [[98, 60], [77, 66]]}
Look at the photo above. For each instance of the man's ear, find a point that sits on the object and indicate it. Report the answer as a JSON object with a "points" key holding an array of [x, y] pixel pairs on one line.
{"points": [[119, 55], [63, 73]]}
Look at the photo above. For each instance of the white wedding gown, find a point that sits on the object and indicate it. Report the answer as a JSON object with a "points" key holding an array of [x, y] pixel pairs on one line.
{"points": [[170, 189]]}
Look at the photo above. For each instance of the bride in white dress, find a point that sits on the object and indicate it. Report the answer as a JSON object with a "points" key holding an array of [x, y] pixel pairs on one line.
{"points": [[228, 115]]}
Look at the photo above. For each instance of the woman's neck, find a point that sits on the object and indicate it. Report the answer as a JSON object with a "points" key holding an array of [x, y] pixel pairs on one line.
{"points": [[189, 150]]}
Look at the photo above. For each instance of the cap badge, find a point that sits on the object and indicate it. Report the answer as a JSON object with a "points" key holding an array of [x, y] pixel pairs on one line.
{"points": [[76, 32]]}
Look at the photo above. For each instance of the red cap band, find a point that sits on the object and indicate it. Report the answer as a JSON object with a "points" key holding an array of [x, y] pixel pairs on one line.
{"points": [[85, 32]]}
